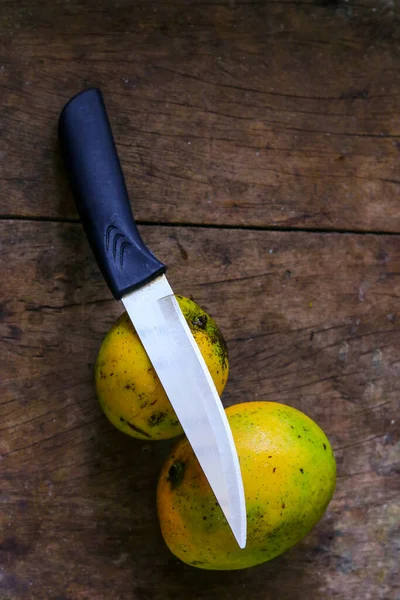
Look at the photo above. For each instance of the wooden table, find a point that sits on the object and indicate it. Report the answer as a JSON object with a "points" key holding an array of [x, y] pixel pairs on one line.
{"points": [[260, 143]]}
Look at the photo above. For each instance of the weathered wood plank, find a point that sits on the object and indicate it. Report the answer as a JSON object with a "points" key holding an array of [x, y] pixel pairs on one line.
{"points": [[279, 114], [311, 320]]}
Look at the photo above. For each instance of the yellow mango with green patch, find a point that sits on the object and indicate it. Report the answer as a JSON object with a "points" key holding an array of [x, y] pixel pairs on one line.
{"points": [[289, 475], [127, 386]]}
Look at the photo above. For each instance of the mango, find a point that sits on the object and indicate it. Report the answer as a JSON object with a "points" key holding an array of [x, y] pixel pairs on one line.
{"points": [[127, 386], [289, 473]]}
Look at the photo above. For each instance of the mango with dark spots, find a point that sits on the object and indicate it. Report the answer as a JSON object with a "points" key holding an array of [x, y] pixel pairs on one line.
{"points": [[127, 385], [289, 477]]}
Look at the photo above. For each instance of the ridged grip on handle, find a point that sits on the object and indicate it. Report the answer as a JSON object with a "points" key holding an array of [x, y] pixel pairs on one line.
{"points": [[101, 197]]}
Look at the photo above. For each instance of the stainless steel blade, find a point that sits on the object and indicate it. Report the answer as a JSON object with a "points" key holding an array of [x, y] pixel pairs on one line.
{"points": [[169, 343]]}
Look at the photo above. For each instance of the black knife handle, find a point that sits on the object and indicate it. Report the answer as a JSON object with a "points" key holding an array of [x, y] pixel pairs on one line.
{"points": [[101, 197]]}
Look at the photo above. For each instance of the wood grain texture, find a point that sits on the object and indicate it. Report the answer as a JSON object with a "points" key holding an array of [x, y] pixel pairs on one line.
{"points": [[278, 114], [311, 320]]}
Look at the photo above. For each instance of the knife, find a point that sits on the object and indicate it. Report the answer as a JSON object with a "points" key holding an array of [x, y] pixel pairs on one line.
{"points": [[137, 278]]}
